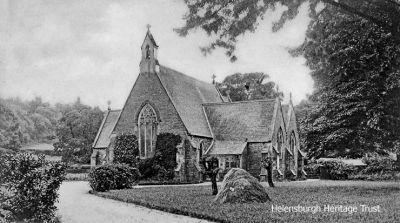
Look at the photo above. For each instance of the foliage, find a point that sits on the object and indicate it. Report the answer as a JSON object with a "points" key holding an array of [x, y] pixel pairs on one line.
{"points": [[379, 164], [242, 87], [126, 149], [194, 201], [227, 20], [25, 122], [356, 100], [113, 177], [335, 170], [76, 131], [33, 183], [162, 165]]}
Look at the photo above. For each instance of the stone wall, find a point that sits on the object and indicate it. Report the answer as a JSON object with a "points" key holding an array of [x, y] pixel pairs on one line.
{"points": [[253, 159], [148, 89]]}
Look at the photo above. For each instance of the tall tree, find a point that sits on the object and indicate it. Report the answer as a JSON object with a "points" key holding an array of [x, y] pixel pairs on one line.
{"points": [[356, 68], [241, 87], [227, 19], [76, 132]]}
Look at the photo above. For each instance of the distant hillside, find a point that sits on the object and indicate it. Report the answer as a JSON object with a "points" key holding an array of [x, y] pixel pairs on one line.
{"points": [[25, 122]]}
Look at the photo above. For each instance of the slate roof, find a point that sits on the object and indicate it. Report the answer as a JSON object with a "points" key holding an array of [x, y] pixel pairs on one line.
{"points": [[241, 121], [188, 94], [285, 111], [102, 139], [227, 147]]}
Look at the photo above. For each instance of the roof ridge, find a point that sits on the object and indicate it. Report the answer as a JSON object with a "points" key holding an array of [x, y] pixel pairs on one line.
{"points": [[185, 74], [239, 102]]}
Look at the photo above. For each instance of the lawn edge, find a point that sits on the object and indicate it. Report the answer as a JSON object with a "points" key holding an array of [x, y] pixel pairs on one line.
{"points": [[160, 208]]}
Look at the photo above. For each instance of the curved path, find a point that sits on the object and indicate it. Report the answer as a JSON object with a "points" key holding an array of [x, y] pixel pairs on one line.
{"points": [[77, 205]]}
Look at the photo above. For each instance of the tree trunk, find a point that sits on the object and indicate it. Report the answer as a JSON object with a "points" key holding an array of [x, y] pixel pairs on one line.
{"points": [[214, 186], [269, 177]]}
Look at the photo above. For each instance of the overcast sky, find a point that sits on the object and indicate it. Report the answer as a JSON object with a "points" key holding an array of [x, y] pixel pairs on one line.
{"points": [[60, 49]]}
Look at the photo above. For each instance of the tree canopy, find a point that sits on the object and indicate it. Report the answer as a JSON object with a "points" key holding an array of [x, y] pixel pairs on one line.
{"points": [[356, 68], [76, 131], [227, 19], [241, 87]]}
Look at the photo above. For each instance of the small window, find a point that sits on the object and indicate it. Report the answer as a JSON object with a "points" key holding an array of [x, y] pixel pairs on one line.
{"points": [[147, 52]]}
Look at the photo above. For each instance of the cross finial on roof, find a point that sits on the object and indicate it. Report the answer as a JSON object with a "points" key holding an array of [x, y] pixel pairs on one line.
{"points": [[148, 27], [213, 78], [109, 104]]}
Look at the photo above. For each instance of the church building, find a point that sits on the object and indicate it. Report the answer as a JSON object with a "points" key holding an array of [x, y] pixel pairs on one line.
{"points": [[239, 134]]}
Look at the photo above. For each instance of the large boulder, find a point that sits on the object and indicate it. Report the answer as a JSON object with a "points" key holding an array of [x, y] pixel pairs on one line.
{"points": [[239, 186]]}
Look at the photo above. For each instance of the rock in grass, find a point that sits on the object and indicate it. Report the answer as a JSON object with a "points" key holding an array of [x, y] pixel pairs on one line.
{"points": [[239, 186]]}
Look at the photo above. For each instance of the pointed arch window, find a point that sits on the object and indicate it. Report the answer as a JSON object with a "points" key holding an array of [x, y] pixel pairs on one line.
{"points": [[147, 131], [292, 143], [147, 52], [280, 147]]}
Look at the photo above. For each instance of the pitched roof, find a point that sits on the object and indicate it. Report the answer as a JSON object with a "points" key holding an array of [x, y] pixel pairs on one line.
{"points": [[285, 111], [227, 147], [188, 94], [102, 139], [151, 38], [241, 121]]}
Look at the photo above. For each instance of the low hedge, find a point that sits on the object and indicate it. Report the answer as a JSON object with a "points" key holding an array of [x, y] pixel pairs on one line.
{"points": [[113, 177], [336, 170]]}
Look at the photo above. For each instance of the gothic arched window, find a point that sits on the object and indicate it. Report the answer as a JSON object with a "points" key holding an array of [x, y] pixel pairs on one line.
{"points": [[147, 52], [292, 143], [292, 147], [280, 147], [147, 131]]}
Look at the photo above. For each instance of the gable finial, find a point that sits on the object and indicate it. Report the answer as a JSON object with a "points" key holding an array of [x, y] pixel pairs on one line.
{"points": [[148, 26], [108, 105]]}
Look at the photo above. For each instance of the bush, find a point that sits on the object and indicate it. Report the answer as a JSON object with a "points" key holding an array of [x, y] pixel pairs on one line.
{"points": [[113, 176], [335, 170], [32, 183], [378, 168], [162, 165], [379, 164], [126, 150]]}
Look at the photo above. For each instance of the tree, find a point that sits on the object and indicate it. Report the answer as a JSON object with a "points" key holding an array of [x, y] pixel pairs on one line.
{"points": [[356, 68], [268, 164], [76, 132], [211, 169], [227, 20], [241, 87]]}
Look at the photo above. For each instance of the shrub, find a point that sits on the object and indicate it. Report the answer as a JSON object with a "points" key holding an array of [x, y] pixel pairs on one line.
{"points": [[335, 170], [126, 149], [161, 166], [379, 164], [113, 176], [32, 183]]}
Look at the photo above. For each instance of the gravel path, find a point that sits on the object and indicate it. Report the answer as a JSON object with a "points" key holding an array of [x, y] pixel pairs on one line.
{"points": [[77, 205]]}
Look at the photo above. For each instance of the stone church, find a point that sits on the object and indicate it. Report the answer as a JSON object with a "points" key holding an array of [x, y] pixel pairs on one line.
{"points": [[239, 134]]}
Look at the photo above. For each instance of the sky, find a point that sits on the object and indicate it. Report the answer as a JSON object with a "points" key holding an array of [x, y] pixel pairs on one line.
{"points": [[60, 50]]}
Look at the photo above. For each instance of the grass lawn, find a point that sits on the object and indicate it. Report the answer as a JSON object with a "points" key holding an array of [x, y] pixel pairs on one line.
{"points": [[196, 201]]}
